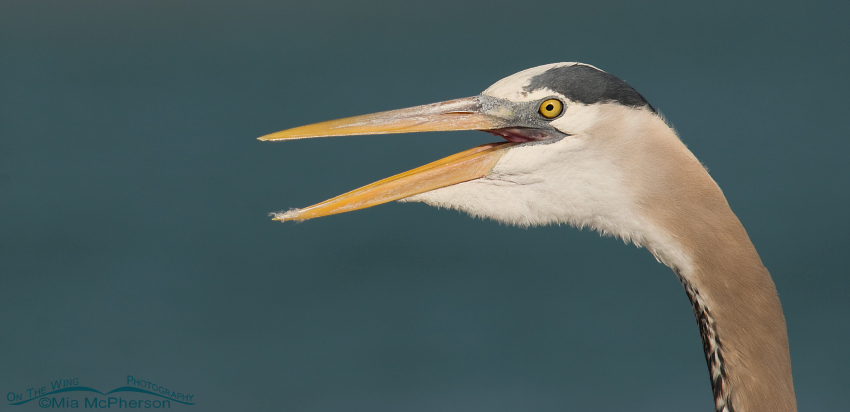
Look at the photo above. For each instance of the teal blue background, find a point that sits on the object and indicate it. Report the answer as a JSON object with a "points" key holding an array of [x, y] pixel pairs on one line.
{"points": [[134, 236]]}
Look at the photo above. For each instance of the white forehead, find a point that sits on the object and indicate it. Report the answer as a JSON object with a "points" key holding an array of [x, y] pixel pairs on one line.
{"points": [[512, 87]]}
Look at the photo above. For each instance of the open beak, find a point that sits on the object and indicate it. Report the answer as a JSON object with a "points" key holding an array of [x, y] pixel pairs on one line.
{"points": [[473, 113]]}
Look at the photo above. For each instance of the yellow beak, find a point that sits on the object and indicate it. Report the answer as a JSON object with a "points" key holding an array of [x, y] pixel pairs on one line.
{"points": [[460, 114]]}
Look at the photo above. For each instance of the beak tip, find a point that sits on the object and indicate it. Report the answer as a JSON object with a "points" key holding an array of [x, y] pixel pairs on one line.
{"points": [[274, 136], [286, 216]]}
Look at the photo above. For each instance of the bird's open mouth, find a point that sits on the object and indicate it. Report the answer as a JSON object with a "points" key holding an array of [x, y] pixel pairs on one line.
{"points": [[472, 113], [519, 134]]}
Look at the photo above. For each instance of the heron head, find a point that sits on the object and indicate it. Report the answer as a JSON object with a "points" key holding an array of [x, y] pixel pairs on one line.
{"points": [[546, 116]]}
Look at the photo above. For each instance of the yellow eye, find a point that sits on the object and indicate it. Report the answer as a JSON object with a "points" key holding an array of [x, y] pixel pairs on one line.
{"points": [[551, 108]]}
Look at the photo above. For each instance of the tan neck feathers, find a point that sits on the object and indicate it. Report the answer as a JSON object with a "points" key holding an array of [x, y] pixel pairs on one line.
{"points": [[734, 297]]}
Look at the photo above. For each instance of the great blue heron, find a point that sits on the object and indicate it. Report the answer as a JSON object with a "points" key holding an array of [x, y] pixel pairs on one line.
{"points": [[585, 148]]}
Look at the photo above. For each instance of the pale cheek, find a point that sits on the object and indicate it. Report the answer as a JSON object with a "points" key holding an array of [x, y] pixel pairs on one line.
{"points": [[577, 119], [531, 163]]}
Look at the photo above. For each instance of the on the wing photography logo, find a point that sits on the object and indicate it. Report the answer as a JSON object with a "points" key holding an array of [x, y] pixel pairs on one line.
{"points": [[70, 394]]}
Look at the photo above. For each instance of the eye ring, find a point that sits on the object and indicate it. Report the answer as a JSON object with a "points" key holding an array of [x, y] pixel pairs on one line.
{"points": [[551, 108]]}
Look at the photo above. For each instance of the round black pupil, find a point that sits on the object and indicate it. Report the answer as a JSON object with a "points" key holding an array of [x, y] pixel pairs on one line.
{"points": [[549, 106]]}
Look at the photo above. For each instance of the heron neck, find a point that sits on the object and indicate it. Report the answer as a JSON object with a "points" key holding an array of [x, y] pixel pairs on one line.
{"points": [[733, 296], [742, 328]]}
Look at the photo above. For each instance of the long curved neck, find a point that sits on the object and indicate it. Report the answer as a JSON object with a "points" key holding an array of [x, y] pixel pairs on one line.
{"points": [[741, 325], [733, 296]]}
